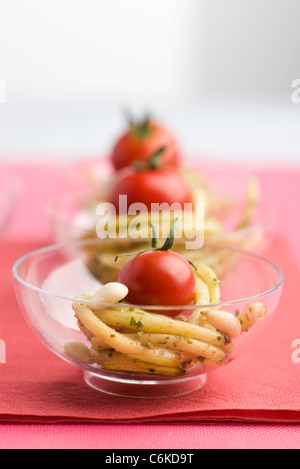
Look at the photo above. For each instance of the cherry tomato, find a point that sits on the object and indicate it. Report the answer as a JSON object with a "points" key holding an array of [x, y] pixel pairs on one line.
{"points": [[158, 277], [140, 141], [160, 185]]}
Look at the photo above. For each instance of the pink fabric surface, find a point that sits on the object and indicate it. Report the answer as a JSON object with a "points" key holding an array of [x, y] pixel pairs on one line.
{"points": [[281, 189], [154, 437], [40, 184]]}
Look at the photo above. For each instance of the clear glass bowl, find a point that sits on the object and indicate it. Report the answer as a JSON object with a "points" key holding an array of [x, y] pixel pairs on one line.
{"points": [[47, 282], [10, 187], [73, 215]]}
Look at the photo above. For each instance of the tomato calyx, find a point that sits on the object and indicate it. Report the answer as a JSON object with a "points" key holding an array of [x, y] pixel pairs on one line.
{"points": [[141, 129], [165, 247], [154, 161], [168, 244]]}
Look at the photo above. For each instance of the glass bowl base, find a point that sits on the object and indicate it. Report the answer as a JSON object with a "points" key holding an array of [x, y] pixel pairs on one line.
{"points": [[144, 389]]}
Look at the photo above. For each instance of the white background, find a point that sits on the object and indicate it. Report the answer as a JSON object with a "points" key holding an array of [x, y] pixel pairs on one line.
{"points": [[219, 72]]}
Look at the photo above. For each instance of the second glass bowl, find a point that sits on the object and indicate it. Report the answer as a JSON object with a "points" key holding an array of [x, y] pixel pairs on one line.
{"points": [[73, 215]]}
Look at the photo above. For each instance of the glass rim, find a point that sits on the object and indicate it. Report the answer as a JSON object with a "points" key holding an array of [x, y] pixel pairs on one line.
{"points": [[61, 246], [51, 207]]}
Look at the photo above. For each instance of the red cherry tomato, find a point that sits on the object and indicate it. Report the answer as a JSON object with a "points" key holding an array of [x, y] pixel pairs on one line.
{"points": [[141, 141], [161, 185], [160, 278]]}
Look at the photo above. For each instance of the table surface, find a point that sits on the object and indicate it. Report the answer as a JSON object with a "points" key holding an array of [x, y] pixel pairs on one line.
{"points": [[120, 436]]}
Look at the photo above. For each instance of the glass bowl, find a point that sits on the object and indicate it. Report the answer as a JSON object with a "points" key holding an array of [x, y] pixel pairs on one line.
{"points": [[225, 190], [9, 190], [49, 280]]}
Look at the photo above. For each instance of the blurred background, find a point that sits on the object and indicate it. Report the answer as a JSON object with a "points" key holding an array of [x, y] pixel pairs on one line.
{"points": [[220, 72]]}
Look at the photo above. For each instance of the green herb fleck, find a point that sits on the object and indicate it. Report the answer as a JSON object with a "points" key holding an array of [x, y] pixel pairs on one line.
{"points": [[132, 321], [139, 334]]}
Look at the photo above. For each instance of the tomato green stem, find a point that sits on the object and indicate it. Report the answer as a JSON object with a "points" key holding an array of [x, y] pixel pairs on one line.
{"points": [[141, 129], [154, 161], [170, 239], [165, 247], [193, 265]]}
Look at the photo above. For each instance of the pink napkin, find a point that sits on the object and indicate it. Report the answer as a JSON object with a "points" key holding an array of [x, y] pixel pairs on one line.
{"points": [[38, 387]]}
